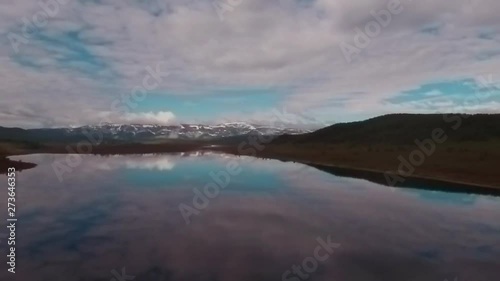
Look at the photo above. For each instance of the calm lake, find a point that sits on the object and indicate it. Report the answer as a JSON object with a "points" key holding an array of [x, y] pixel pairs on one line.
{"points": [[217, 217]]}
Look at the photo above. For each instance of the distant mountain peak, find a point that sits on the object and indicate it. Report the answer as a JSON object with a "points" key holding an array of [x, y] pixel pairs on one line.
{"points": [[182, 131]]}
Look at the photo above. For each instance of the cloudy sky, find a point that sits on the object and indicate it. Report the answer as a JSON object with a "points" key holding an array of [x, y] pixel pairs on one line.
{"points": [[74, 62]]}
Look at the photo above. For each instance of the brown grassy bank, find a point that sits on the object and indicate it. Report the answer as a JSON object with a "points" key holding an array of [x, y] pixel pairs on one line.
{"points": [[462, 163], [465, 163]]}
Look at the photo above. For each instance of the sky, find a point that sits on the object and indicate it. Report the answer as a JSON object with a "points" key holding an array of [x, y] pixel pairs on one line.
{"points": [[78, 62]]}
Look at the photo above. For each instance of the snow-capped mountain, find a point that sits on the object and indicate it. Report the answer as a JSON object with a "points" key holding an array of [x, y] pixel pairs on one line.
{"points": [[181, 131]]}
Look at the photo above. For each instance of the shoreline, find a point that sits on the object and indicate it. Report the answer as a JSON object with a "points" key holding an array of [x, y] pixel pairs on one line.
{"points": [[416, 180], [6, 163], [381, 172], [428, 182], [374, 175]]}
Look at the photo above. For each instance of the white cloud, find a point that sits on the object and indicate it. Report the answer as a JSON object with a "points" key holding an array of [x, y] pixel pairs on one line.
{"points": [[433, 93], [261, 43], [162, 118], [144, 162], [159, 163]]}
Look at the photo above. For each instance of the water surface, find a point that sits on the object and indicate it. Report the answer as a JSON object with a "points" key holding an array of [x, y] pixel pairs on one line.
{"points": [[118, 212]]}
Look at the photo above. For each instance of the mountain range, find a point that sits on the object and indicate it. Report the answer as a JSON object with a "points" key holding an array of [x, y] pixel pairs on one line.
{"points": [[137, 132]]}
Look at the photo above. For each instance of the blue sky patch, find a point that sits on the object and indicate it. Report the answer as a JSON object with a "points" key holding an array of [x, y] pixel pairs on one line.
{"points": [[66, 50], [215, 103], [448, 93]]}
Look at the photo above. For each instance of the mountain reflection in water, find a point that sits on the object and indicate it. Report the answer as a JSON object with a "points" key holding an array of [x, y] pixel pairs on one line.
{"points": [[117, 212]]}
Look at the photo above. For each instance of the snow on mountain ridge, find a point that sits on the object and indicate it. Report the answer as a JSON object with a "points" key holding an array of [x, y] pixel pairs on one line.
{"points": [[185, 131]]}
